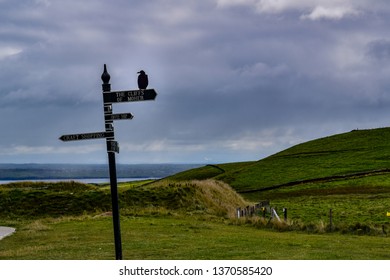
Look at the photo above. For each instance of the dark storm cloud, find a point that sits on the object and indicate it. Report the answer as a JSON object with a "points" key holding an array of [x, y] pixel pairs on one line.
{"points": [[236, 80]]}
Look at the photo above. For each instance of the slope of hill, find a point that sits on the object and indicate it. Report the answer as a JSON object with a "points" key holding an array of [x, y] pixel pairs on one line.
{"points": [[41, 199], [355, 153]]}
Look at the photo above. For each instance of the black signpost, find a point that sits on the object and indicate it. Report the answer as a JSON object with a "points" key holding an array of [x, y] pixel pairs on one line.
{"points": [[110, 97]]}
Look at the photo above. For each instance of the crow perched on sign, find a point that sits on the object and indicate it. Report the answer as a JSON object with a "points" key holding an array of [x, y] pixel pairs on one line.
{"points": [[142, 80]]}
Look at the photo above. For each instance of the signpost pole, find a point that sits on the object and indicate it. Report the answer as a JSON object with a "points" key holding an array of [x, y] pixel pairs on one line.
{"points": [[110, 97], [112, 167]]}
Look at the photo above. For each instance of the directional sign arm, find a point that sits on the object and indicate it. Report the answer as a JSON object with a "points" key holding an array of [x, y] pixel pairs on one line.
{"points": [[114, 117], [86, 136], [129, 95]]}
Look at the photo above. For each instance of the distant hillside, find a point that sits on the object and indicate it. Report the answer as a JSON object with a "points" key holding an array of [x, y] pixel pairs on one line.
{"points": [[356, 153], [87, 171]]}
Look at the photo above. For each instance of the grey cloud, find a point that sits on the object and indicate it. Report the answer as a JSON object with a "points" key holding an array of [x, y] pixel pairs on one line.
{"points": [[226, 77]]}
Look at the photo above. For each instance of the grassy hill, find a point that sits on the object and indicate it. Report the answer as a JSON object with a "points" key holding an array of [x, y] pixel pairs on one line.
{"points": [[352, 154], [38, 200], [345, 174]]}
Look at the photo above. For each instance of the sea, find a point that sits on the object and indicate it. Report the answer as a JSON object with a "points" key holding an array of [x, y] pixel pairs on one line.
{"points": [[87, 173]]}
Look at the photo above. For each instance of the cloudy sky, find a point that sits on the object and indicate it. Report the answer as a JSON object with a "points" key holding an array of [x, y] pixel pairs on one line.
{"points": [[236, 80]]}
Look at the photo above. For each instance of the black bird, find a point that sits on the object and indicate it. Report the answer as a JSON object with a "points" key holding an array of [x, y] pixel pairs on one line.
{"points": [[142, 80]]}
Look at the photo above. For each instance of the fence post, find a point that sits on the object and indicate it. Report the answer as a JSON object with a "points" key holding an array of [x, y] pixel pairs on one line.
{"points": [[330, 220], [285, 214]]}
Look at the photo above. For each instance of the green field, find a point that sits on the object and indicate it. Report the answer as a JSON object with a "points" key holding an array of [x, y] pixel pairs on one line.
{"points": [[175, 237], [191, 215]]}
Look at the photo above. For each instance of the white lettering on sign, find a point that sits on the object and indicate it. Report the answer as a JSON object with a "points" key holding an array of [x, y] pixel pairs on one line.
{"points": [[70, 137], [133, 95], [92, 135], [119, 116], [135, 98], [84, 136]]}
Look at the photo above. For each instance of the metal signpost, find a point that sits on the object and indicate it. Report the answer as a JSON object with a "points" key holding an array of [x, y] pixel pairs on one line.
{"points": [[110, 97]]}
